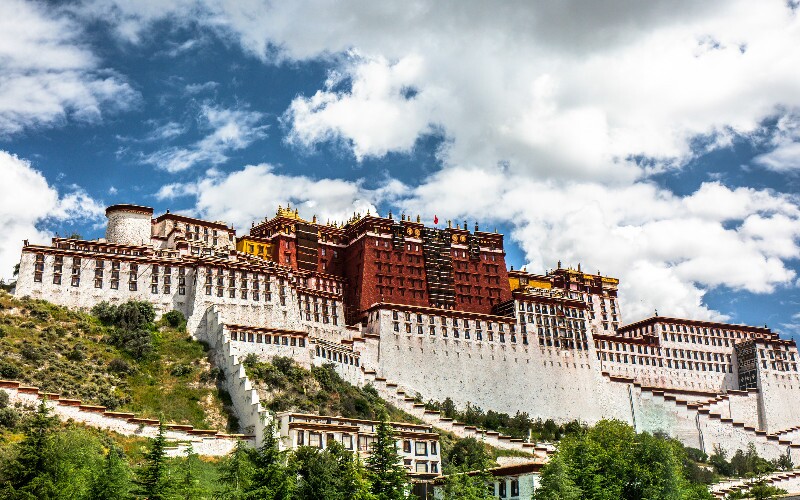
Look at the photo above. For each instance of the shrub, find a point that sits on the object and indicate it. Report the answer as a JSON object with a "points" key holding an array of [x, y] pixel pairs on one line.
{"points": [[696, 455], [3, 399], [9, 417], [138, 343], [119, 365], [8, 371], [180, 370], [105, 312], [78, 353], [175, 319], [30, 353]]}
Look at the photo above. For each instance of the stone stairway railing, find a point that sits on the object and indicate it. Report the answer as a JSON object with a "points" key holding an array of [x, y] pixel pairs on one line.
{"points": [[700, 412], [788, 480], [203, 441], [391, 392], [792, 434]]}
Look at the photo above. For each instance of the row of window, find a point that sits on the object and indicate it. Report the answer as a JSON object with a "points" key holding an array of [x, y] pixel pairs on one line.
{"points": [[265, 338], [445, 321], [456, 333], [336, 356]]}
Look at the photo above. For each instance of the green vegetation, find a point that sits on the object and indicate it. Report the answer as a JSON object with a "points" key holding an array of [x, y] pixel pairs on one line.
{"points": [[119, 359], [284, 385], [384, 466], [466, 471], [758, 489], [748, 463], [53, 462], [519, 426], [610, 461]]}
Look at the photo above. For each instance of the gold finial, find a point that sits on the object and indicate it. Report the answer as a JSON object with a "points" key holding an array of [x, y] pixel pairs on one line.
{"points": [[418, 218], [368, 212], [449, 224], [390, 215], [314, 219]]}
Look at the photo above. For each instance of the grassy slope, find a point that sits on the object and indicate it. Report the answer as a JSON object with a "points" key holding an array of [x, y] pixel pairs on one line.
{"points": [[63, 351]]}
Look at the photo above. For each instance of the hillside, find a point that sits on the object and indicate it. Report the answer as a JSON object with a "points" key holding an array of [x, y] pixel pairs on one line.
{"points": [[283, 385], [71, 353]]}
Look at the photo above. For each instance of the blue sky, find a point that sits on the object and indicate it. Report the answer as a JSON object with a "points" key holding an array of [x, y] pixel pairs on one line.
{"points": [[656, 143]]}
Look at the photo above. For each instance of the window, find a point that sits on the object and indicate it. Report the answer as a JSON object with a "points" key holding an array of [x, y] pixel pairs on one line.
{"points": [[76, 281], [56, 279], [422, 467], [502, 488], [433, 448], [406, 446], [515, 487], [421, 448]]}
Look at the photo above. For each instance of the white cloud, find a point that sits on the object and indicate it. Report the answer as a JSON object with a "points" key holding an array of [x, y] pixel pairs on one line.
{"points": [[219, 196], [228, 130], [27, 201], [47, 75], [785, 157], [377, 115], [544, 106], [668, 250]]}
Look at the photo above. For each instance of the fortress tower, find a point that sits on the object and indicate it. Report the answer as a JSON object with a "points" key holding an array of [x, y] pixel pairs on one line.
{"points": [[129, 224]]}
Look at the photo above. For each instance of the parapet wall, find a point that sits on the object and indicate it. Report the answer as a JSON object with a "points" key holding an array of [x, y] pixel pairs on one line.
{"points": [[246, 404], [204, 442]]}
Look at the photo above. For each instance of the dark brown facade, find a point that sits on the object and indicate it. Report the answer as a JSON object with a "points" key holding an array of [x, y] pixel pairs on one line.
{"points": [[382, 259]]}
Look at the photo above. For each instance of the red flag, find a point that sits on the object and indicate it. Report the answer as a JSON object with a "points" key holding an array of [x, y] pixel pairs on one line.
{"points": [[435, 219]]}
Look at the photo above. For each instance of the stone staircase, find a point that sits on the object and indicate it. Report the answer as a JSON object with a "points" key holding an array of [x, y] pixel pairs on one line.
{"points": [[788, 480], [203, 441], [392, 393], [706, 421]]}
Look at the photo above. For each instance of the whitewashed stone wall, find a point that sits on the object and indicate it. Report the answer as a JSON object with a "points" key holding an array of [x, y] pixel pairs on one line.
{"points": [[129, 227], [246, 403], [780, 399], [86, 295], [546, 383], [209, 445]]}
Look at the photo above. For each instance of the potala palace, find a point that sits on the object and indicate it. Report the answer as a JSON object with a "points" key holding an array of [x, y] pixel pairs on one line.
{"points": [[432, 311]]}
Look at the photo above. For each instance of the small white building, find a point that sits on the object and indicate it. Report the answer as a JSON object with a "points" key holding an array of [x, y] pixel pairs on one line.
{"points": [[418, 445], [510, 482]]}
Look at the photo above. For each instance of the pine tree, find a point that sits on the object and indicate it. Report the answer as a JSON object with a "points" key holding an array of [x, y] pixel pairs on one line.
{"points": [[113, 480], [468, 477], [30, 471], [272, 477], [236, 472], [190, 488], [153, 477], [384, 466]]}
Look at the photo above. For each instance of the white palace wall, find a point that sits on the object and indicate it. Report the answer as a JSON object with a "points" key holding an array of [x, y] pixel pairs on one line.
{"points": [[546, 383], [780, 400], [85, 295]]}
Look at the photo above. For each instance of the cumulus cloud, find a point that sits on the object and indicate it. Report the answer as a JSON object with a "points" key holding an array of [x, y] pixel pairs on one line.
{"points": [[668, 250], [227, 130], [219, 196], [785, 155], [555, 115], [48, 75], [29, 203]]}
